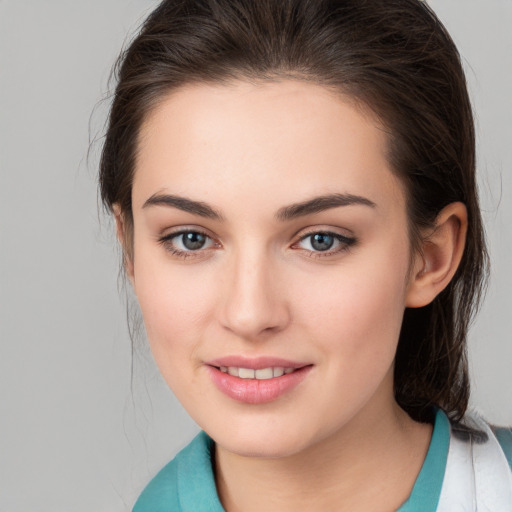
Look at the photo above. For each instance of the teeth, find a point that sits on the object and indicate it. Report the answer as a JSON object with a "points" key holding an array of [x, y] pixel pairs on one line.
{"points": [[246, 373], [261, 374], [264, 373], [279, 371]]}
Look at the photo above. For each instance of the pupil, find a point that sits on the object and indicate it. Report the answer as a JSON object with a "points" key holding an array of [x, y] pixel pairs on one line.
{"points": [[322, 242], [193, 241]]}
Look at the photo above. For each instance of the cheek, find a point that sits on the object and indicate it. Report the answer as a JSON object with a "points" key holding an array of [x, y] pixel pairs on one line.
{"points": [[353, 318], [174, 303], [357, 309]]}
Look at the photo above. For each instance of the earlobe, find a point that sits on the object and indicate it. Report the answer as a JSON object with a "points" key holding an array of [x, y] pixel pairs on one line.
{"points": [[442, 250], [121, 231]]}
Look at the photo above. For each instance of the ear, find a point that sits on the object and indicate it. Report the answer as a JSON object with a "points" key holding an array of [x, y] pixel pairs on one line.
{"points": [[440, 255], [124, 240]]}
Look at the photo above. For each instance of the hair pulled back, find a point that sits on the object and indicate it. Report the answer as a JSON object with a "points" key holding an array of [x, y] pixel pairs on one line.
{"points": [[393, 56]]}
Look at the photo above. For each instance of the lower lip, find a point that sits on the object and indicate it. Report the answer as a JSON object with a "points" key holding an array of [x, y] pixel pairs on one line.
{"points": [[256, 391]]}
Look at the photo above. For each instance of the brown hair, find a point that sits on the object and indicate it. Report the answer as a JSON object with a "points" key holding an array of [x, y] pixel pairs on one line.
{"points": [[393, 56]]}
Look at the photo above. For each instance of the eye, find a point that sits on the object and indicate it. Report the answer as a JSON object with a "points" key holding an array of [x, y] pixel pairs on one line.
{"points": [[325, 243], [185, 243], [321, 241], [192, 240]]}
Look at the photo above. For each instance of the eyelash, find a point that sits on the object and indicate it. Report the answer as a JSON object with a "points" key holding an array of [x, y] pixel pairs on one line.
{"points": [[345, 243], [167, 242]]}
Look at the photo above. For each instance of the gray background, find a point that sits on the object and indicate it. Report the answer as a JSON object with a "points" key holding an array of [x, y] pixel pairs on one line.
{"points": [[75, 434]]}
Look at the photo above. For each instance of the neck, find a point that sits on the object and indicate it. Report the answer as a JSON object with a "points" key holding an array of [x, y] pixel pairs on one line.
{"points": [[369, 464]]}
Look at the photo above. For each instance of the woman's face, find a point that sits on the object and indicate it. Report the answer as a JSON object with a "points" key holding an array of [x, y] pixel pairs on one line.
{"points": [[270, 261]]}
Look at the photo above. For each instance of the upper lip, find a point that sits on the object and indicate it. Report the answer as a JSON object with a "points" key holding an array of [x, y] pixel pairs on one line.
{"points": [[255, 363]]}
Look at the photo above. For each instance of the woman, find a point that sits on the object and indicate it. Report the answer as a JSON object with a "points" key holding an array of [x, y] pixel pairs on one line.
{"points": [[293, 184]]}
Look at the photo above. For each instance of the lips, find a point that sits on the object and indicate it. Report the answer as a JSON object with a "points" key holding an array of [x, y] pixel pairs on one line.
{"points": [[260, 373], [255, 363], [256, 381]]}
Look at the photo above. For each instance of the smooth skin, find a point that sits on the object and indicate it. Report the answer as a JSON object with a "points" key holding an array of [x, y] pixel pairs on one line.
{"points": [[259, 285]]}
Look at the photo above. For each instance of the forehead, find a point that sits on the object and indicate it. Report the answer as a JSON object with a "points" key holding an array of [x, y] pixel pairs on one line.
{"points": [[276, 141]]}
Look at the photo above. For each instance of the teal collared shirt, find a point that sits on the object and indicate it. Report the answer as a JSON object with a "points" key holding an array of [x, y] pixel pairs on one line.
{"points": [[187, 483]]}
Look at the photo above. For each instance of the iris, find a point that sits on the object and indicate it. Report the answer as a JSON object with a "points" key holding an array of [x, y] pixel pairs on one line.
{"points": [[193, 241], [322, 241]]}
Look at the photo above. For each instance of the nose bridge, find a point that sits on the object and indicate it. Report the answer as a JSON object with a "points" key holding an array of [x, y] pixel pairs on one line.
{"points": [[254, 301]]}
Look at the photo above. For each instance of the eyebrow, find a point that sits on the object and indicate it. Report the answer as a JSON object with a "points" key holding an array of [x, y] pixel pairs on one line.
{"points": [[293, 211], [184, 204], [320, 204]]}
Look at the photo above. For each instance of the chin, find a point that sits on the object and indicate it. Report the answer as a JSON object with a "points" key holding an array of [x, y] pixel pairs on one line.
{"points": [[267, 443]]}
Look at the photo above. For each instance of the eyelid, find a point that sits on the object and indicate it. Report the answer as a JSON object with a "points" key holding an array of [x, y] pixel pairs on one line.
{"points": [[166, 241], [187, 228], [313, 229], [345, 241]]}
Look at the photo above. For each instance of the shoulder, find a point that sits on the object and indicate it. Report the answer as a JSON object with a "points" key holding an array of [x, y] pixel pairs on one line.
{"points": [[162, 494], [504, 437]]}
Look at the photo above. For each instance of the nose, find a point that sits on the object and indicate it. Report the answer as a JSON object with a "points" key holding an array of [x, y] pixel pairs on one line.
{"points": [[254, 303]]}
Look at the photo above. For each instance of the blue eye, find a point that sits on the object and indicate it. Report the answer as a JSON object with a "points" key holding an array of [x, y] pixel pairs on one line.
{"points": [[322, 241], [193, 241], [325, 242], [186, 242]]}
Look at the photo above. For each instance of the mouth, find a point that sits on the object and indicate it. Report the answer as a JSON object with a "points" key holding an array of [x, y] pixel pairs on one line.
{"points": [[259, 374], [256, 381]]}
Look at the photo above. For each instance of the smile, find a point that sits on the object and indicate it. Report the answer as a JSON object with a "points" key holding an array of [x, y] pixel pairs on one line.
{"points": [[256, 381], [260, 374]]}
